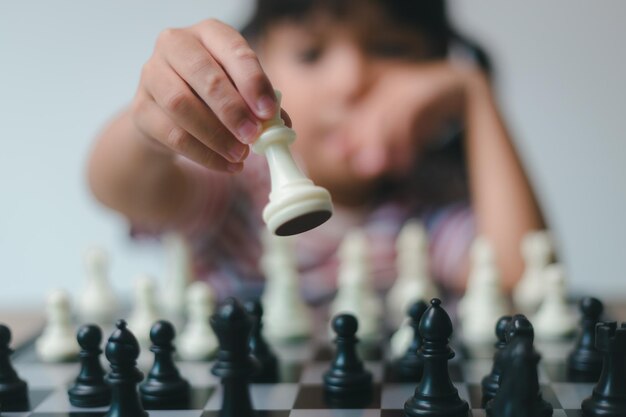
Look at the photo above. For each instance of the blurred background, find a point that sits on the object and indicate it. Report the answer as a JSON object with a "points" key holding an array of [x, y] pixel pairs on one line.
{"points": [[66, 67]]}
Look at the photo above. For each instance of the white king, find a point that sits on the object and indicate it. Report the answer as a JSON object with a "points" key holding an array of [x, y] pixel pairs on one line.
{"points": [[296, 204]]}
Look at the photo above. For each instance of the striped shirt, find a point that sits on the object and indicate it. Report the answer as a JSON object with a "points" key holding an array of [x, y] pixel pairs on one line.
{"points": [[223, 226]]}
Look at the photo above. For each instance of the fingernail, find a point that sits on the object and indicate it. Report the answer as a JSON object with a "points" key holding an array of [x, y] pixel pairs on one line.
{"points": [[248, 131], [266, 106], [234, 168], [238, 152]]}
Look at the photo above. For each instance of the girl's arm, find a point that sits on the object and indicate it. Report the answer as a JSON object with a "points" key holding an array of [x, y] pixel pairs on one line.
{"points": [[148, 184], [504, 204]]}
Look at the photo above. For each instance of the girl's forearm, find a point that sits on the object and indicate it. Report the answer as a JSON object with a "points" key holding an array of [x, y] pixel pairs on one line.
{"points": [[134, 177], [504, 203]]}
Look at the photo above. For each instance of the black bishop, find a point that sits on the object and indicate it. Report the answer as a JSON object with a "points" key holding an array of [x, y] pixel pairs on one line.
{"points": [[122, 351], [435, 395]]}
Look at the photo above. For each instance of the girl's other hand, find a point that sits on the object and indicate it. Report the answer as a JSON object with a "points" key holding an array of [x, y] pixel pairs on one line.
{"points": [[408, 106]]}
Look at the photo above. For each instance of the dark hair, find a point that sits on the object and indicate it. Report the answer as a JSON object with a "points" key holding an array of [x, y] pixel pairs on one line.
{"points": [[428, 17]]}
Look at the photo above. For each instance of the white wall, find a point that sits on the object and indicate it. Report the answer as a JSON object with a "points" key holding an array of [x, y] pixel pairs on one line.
{"points": [[66, 66], [561, 67]]}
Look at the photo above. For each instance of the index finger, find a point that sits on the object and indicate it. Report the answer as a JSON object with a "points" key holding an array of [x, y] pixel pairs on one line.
{"points": [[241, 64]]}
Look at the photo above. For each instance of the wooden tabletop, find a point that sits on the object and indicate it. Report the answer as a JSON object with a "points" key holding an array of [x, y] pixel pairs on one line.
{"points": [[25, 324]]}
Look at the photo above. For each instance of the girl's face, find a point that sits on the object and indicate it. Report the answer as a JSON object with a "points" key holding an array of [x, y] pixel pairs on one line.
{"points": [[326, 69]]}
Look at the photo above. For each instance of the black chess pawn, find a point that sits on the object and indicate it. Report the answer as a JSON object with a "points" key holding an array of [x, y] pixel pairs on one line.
{"points": [[122, 351], [235, 365], [259, 348], [435, 395], [584, 363], [519, 393], [164, 388], [410, 366], [491, 382], [13, 390], [89, 389], [609, 395], [347, 379], [518, 325]]}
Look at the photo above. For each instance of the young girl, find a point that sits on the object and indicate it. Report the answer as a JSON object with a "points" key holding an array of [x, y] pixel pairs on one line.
{"points": [[392, 108]]}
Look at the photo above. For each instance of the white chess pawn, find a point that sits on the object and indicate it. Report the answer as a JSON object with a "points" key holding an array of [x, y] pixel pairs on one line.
{"points": [[484, 307], [482, 257], [197, 341], [484, 301], [296, 204], [413, 282], [178, 276], [286, 318], [98, 302], [554, 319], [145, 311], [538, 251], [401, 339], [58, 342], [355, 292]]}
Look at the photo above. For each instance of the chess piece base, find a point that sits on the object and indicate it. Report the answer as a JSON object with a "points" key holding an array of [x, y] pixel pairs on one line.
{"points": [[298, 207]]}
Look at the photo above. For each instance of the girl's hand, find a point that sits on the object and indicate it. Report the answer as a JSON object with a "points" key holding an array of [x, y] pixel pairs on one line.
{"points": [[407, 107], [203, 94]]}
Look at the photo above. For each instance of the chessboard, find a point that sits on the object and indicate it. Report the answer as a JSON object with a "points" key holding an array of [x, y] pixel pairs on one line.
{"points": [[300, 390]]}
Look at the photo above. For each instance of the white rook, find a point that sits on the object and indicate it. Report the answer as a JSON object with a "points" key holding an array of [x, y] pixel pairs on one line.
{"points": [[296, 204]]}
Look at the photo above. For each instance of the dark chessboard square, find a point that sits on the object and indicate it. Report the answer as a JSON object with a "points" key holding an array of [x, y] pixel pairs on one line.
{"points": [[390, 373], [35, 397], [476, 392], [392, 413], [574, 413], [258, 413], [313, 397], [198, 399]]}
